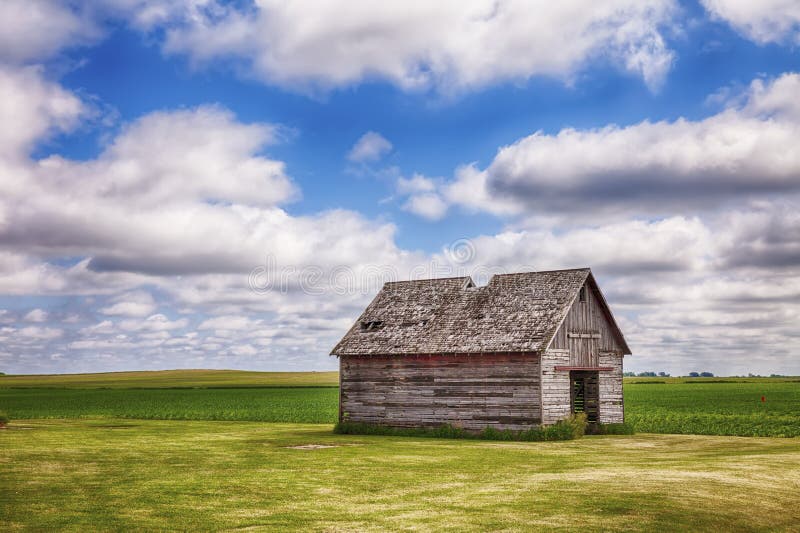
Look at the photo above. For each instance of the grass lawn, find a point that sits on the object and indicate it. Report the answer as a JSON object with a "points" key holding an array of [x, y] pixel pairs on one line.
{"points": [[125, 475]]}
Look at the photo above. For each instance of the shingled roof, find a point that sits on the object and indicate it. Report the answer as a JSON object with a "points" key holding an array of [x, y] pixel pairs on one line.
{"points": [[512, 313]]}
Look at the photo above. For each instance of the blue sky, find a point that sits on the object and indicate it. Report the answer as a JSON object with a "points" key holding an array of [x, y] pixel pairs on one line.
{"points": [[159, 152]]}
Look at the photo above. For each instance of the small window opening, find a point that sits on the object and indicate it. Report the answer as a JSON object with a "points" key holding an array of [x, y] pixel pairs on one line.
{"points": [[582, 294], [372, 325]]}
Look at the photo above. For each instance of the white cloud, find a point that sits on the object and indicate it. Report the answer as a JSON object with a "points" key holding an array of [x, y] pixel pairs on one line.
{"points": [[157, 322], [423, 200], [36, 315], [169, 192], [371, 146], [145, 15], [36, 333], [451, 44], [415, 184], [469, 189], [34, 30], [654, 169], [620, 248], [236, 323], [31, 109], [150, 161], [427, 205], [763, 21], [134, 304]]}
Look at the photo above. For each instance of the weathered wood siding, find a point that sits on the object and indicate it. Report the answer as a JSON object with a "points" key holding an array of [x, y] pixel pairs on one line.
{"points": [[611, 401], [555, 386], [586, 331], [469, 391]]}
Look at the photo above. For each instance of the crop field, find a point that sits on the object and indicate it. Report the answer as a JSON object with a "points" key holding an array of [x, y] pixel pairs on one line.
{"points": [[173, 379], [715, 407], [265, 404], [730, 406]]}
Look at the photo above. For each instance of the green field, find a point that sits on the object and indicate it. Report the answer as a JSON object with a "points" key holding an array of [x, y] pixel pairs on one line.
{"points": [[88, 452], [685, 406], [266, 404], [173, 379], [715, 407]]}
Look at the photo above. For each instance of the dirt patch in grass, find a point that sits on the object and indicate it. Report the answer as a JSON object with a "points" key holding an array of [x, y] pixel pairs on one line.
{"points": [[312, 446]]}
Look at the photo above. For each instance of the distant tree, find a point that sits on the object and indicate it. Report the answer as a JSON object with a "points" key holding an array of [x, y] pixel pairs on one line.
{"points": [[706, 374], [629, 374], [646, 374], [694, 375], [663, 375]]}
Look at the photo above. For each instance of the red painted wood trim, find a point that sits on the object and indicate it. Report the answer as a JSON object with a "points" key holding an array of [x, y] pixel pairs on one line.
{"points": [[598, 368]]}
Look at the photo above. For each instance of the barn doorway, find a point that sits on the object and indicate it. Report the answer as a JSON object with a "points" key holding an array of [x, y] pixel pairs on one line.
{"points": [[585, 393]]}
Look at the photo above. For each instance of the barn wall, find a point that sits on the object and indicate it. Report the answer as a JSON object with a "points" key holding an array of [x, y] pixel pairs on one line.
{"points": [[469, 391], [611, 402], [556, 403], [586, 331]]}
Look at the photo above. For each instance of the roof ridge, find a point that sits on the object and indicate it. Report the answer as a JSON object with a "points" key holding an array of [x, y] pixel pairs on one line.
{"points": [[544, 271], [429, 279]]}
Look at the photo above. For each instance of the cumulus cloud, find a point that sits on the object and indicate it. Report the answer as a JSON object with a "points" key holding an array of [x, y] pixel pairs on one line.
{"points": [[36, 315], [452, 45], [766, 236], [764, 21], [228, 323], [157, 322], [370, 147], [183, 204], [653, 168], [426, 205], [35, 30], [168, 193], [134, 304], [423, 200], [37, 333], [31, 109], [634, 246]]}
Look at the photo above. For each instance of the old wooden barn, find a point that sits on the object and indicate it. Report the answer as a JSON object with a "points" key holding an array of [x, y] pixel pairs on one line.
{"points": [[526, 349]]}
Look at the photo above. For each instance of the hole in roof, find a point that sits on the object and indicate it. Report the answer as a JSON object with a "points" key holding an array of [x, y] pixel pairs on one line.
{"points": [[371, 325], [409, 323]]}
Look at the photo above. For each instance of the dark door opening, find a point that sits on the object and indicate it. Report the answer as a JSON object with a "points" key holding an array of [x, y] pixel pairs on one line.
{"points": [[585, 393]]}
